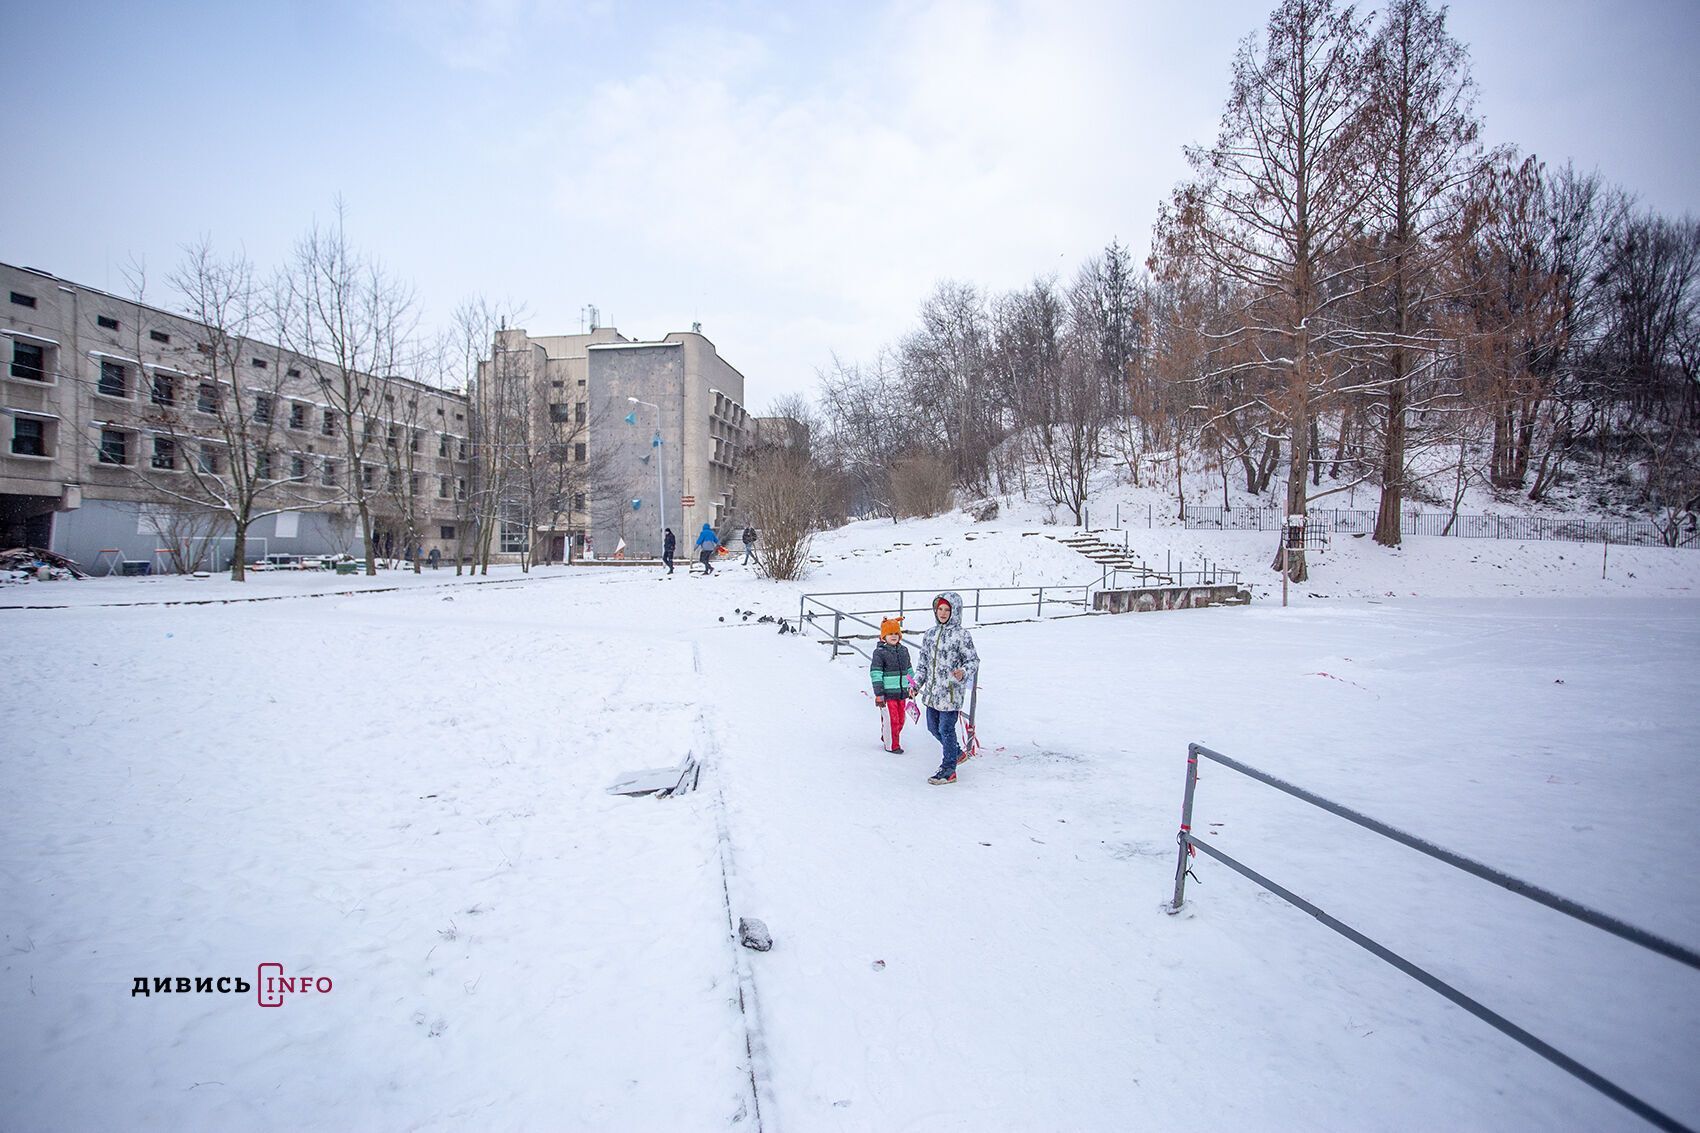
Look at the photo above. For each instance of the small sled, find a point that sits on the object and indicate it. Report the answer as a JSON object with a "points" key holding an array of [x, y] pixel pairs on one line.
{"points": [[662, 782], [967, 737]]}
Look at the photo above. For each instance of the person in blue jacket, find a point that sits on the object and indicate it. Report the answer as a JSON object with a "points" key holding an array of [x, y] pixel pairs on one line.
{"points": [[707, 544]]}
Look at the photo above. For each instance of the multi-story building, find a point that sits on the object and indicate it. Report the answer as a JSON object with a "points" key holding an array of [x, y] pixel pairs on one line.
{"points": [[113, 412], [603, 400]]}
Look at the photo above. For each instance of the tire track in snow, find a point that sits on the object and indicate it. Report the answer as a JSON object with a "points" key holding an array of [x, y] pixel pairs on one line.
{"points": [[755, 1039]]}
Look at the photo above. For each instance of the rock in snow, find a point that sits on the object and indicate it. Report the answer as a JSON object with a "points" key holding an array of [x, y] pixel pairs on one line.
{"points": [[753, 933]]}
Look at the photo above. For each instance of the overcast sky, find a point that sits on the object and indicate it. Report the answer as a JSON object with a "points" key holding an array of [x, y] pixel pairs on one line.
{"points": [[795, 176]]}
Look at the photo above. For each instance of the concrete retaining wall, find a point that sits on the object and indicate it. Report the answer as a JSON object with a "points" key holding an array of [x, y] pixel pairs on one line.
{"points": [[1139, 600]]}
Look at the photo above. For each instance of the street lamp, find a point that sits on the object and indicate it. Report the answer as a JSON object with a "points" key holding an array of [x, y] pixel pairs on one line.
{"points": [[660, 469]]}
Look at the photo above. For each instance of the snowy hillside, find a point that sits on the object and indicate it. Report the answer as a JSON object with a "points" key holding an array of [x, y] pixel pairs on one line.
{"points": [[403, 793]]}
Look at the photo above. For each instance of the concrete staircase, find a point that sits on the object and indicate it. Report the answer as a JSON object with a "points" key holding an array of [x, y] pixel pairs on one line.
{"points": [[1110, 557]]}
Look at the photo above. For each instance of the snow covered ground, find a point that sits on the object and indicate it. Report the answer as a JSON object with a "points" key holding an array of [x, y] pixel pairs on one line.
{"points": [[404, 793]]}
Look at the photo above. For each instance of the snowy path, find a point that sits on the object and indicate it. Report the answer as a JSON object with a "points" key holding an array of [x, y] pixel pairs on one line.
{"points": [[513, 948], [1029, 980]]}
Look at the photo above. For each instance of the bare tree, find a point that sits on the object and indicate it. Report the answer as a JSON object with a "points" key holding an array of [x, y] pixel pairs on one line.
{"points": [[779, 487], [1276, 200], [1421, 133], [215, 433], [353, 322], [944, 370]]}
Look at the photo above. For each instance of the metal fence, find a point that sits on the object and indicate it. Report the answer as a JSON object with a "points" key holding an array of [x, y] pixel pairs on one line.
{"points": [[1191, 845], [1320, 522], [841, 616]]}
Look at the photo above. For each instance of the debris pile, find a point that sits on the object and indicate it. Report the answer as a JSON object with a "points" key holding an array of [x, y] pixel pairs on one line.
{"points": [[37, 563]]}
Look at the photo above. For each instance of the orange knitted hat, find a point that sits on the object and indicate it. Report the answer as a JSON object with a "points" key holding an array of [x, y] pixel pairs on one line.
{"points": [[890, 626]]}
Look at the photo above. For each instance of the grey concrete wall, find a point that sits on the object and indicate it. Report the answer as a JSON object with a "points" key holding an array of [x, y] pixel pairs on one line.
{"points": [[654, 373], [81, 534]]}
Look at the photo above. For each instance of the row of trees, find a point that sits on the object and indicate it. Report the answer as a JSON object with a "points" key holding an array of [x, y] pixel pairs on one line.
{"points": [[1349, 285], [329, 345]]}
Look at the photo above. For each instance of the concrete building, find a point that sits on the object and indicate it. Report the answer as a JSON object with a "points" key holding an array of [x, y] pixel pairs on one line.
{"points": [[104, 402], [581, 385]]}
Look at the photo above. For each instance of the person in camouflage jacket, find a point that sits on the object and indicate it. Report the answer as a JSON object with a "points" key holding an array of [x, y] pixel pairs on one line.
{"points": [[948, 661]]}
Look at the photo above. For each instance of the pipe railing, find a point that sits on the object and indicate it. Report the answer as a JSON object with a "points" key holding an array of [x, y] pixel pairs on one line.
{"points": [[813, 609], [1190, 845]]}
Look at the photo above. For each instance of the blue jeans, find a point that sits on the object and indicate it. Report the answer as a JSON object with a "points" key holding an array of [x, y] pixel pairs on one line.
{"points": [[943, 727]]}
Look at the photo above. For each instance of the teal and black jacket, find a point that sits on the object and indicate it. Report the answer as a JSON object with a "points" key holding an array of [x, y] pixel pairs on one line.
{"points": [[891, 671]]}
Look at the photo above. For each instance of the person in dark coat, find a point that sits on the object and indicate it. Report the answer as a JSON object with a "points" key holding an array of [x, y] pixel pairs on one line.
{"points": [[891, 671], [749, 546], [707, 544], [668, 542]]}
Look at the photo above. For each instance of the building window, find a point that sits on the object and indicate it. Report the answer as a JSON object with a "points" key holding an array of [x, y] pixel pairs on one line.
{"points": [[366, 432], [442, 487], [460, 488], [164, 453], [442, 444], [114, 447], [445, 532], [414, 441], [263, 408], [368, 477], [394, 437], [413, 485], [29, 437], [327, 474], [207, 399], [578, 453], [164, 389], [29, 360], [263, 465], [328, 425], [516, 537], [560, 411], [292, 372], [297, 468], [105, 322], [208, 461], [159, 336], [23, 300], [578, 413], [297, 415], [257, 363], [461, 449], [578, 501], [114, 378]]}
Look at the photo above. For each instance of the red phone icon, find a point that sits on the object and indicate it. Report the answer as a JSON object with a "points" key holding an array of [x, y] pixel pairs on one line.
{"points": [[274, 997]]}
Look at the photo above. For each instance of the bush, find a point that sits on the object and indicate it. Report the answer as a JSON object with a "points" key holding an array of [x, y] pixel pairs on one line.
{"points": [[781, 490], [920, 485]]}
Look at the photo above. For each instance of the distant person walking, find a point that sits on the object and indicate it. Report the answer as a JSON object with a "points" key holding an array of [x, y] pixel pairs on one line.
{"points": [[749, 546], [435, 557], [668, 542], [707, 544]]}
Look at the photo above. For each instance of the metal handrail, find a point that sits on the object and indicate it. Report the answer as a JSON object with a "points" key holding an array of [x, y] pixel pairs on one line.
{"points": [[1190, 844], [807, 617]]}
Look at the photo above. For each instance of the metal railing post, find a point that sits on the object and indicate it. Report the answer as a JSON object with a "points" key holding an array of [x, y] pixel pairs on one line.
{"points": [[976, 605], [837, 621], [1041, 611], [1185, 831]]}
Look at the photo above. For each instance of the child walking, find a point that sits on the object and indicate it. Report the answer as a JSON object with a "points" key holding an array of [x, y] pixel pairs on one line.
{"points": [[891, 673], [948, 662]]}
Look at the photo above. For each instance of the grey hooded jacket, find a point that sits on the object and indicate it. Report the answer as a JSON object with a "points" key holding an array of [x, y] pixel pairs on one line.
{"points": [[944, 649]]}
